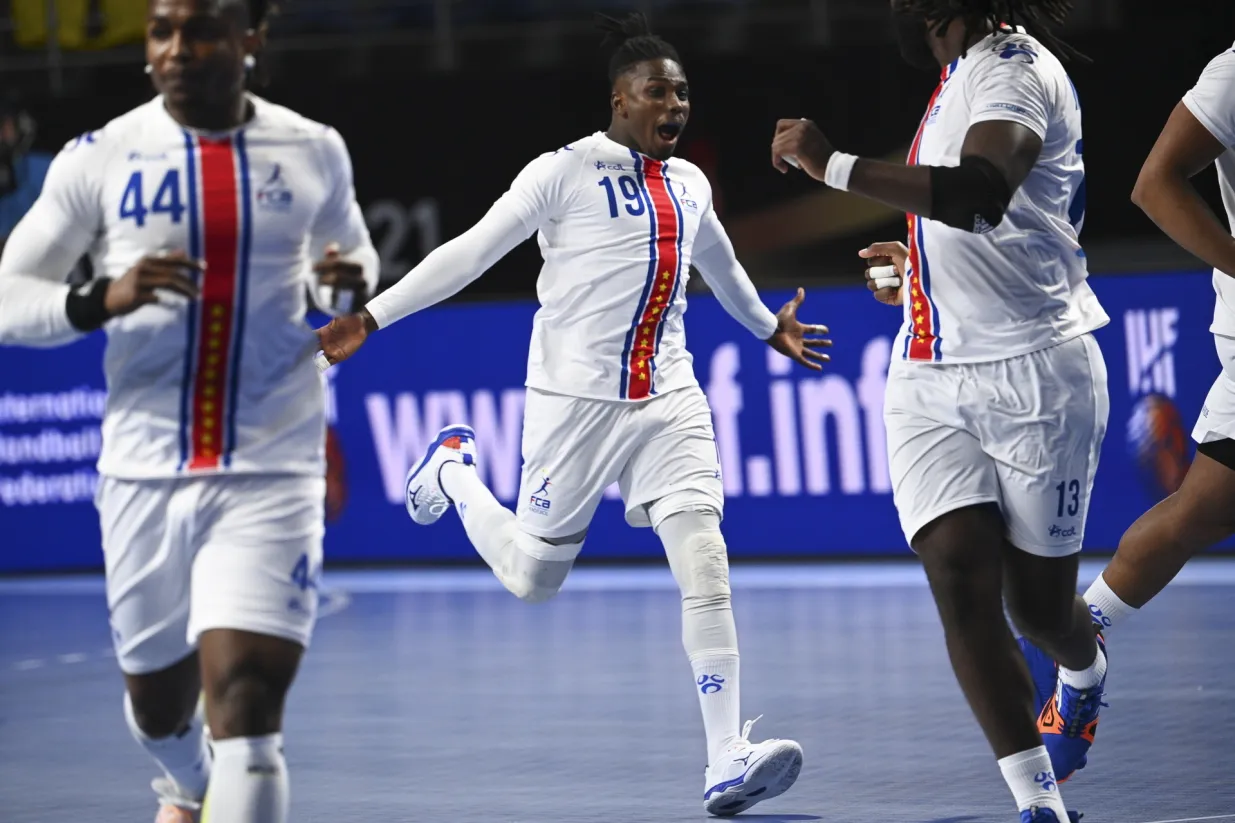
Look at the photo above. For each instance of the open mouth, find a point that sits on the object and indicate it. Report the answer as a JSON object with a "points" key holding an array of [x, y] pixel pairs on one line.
{"points": [[669, 131]]}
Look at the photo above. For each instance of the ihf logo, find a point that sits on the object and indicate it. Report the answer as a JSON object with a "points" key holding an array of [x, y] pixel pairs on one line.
{"points": [[1156, 437], [710, 683]]}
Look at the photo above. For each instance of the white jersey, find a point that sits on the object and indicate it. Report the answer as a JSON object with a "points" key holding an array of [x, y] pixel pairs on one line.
{"points": [[1212, 103], [225, 383], [618, 232], [1000, 292]]}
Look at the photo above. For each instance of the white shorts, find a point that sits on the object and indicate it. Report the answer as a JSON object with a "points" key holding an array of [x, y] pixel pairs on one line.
{"points": [[1217, 419], [184, 556], [661, 449], [1023, 433]]}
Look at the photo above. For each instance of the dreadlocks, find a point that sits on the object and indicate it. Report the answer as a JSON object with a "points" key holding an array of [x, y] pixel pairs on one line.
{"points": [[633, 42], [1036, 16]]}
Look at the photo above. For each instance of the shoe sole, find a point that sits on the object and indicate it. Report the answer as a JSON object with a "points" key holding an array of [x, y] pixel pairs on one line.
{"points": [[442, 436], [770, 777]]}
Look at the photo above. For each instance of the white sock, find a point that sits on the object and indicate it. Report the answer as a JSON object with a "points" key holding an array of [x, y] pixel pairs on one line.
{"points": [[1086, 678], [1032, 781], [1105, 607], [489, 525], [716, 683], [249, 783], [184, 757]]}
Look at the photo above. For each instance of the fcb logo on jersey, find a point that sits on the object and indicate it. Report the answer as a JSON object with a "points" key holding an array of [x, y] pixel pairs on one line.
{"points": [[274, 195]]}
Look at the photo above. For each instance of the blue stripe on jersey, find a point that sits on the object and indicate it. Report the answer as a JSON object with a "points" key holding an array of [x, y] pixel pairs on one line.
{"points": [[677, 281], [651, 278], [926, 285], [242, 291], [195, 251]]}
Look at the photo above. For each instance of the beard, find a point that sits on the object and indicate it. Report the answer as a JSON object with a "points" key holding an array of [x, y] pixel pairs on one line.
{"points": [[912, 32]]}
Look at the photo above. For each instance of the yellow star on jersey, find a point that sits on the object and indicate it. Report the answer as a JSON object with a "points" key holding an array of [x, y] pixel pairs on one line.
{"points": [[919, 319], [643, 343], [917, 305], [664, 286], [643, 376], [217, 311], [655, 309], [666, 275]]}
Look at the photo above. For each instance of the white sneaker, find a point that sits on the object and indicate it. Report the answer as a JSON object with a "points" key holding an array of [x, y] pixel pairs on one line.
{"points": [[748, 773], [175, 806], [423, 495]]}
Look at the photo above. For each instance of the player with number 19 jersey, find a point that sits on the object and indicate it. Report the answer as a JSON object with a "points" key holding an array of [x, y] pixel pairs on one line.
{"points": [[618, 232]]}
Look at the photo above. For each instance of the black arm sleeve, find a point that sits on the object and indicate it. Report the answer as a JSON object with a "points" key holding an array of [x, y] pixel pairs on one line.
{"points": [[972, 196]]}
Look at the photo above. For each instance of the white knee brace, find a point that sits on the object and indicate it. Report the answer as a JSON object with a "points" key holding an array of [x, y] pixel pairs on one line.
{"points": [[700, 564], [536, 568]]}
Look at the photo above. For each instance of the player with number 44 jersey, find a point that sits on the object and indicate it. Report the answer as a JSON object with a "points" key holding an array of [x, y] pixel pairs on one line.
{"points": [[611, 392], [209, 215]]}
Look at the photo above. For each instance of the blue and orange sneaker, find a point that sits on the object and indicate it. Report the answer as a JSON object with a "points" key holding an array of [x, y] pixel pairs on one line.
{"points": [[1068, 722], [1043, 670], [1036, 815]]}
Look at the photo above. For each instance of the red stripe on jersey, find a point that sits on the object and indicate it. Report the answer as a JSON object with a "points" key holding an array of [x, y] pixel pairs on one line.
{"points": [[921, 312], [220, 233], [664, 278]]}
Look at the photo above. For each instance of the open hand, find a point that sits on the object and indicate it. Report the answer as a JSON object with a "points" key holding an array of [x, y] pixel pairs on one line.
{"points": [[790, 337], [341, 337]]}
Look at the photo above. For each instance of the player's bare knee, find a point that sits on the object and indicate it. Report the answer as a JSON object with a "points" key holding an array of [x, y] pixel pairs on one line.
{"points": [[247, 701], [161, 716]]}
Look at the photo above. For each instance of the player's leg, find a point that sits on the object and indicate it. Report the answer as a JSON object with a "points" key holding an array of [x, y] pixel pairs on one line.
{"points": [[148, 555], [570, 454], [1200, 514], [253, 606], [672, 482], [947, 494], [1155, 547], [1046, 463]]}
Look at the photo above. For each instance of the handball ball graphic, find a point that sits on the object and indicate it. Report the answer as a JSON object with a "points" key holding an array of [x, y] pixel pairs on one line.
{"points": [[1158, 444]]}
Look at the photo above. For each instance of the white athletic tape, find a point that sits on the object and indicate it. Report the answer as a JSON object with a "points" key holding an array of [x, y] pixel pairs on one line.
{"points": [[884, 277], [321, 362], [791, 160]]}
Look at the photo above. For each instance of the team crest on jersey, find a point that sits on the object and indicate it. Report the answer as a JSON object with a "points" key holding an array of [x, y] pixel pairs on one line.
{"points": [[274, 195], [684, 197]]}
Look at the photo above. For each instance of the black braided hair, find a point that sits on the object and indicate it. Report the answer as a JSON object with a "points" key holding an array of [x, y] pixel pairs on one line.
{"points": [[1036, 16], [632, 42]]}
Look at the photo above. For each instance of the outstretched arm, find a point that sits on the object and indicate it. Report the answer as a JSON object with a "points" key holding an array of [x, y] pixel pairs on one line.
{"points": [[1197, 133], [533, 198], [716, 261], [451, 267]]}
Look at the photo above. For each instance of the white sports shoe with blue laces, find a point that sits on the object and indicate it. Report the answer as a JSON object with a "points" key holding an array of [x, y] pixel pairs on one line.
{"points": [[749, 773], [424, 497]]}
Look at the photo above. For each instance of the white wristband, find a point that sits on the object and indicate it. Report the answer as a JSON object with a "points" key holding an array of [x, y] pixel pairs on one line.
{"points": [[840, 166]]}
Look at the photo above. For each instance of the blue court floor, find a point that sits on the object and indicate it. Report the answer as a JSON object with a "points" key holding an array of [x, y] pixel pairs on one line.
{"points": [[435, 696]]}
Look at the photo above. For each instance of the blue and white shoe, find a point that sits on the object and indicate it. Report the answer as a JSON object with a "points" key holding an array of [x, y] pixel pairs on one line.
{"points": [[749, 773], [423, 494], [1068, 723], [1036, 815]]}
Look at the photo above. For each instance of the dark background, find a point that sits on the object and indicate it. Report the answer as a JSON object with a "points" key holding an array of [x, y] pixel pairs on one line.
{"points": [[443, 102]]}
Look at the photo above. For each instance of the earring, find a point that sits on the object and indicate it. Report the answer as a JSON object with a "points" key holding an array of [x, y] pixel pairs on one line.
{"points": [[250, 62], [149, 69]]}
